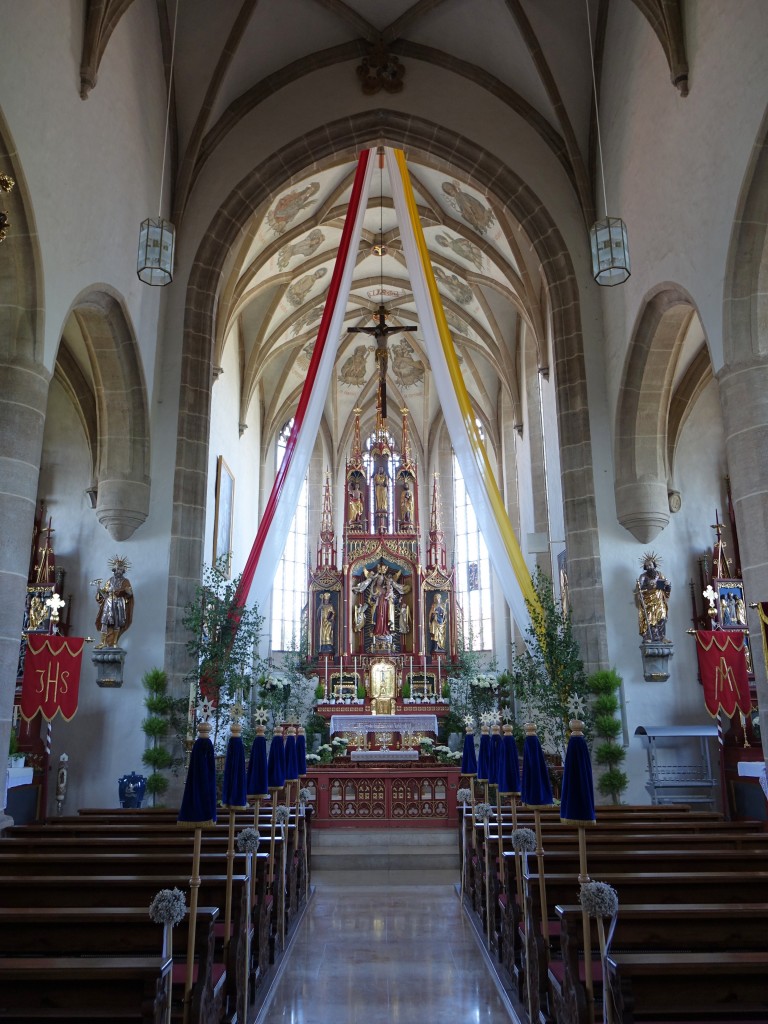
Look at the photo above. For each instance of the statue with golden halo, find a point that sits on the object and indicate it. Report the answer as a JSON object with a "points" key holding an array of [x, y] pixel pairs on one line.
{"points": [[652, 591], [115, 600]]}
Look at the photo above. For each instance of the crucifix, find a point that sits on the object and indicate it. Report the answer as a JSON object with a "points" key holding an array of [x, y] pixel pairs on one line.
{"points": [[380, 331]]}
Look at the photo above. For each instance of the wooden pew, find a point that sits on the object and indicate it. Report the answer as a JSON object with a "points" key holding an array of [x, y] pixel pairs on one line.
{"points": [[55, 890], [633, 888], [727, 987], [120, 931], [678, 927], [73, 989]]}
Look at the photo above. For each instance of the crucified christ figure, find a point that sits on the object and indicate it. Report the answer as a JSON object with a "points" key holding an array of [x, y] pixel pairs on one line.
{"points": [[380, 331]]}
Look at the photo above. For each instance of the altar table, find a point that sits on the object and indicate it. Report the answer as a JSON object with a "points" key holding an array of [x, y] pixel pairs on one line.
{"points": [[384, 755], [383, 723]]}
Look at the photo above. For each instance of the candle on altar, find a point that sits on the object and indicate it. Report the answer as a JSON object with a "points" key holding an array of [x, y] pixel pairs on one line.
{"points": [[411, 675], [439, 683], [354, 663], [326, 676]]}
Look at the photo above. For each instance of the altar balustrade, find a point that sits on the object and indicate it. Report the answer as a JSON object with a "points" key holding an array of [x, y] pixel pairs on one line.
{"points": [[383, 793]]}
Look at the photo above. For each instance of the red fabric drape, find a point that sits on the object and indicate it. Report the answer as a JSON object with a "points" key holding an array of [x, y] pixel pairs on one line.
{"points": [[723, 668], [51, 681], [322, 337]]}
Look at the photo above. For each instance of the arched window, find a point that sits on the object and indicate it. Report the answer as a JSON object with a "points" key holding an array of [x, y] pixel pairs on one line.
{"points": [[289, 593], [394, 465], [473, 569]]}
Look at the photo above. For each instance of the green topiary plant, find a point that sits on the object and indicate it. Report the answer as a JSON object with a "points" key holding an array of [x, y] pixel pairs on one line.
{"points": [[156, 726], [609, 754]]}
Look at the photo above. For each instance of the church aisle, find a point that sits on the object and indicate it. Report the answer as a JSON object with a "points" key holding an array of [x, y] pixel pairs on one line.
{"points": [[384, 954]]}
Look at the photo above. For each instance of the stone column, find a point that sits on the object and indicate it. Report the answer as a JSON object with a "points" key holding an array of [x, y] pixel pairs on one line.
{"points": [[23, 400], [744, 401]]}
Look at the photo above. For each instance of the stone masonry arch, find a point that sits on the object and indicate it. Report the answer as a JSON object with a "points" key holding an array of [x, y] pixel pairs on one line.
{"points": [[446, 151], [121, 457], [23, 396], [642, 412], [743, 384]]}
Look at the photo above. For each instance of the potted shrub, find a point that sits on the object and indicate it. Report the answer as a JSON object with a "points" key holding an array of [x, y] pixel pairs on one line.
{"points": [[609, 754]]}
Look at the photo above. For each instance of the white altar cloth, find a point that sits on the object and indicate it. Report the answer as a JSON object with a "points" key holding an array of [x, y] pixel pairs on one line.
{"points": [[755, 770], [383, 723], [384, 755]]}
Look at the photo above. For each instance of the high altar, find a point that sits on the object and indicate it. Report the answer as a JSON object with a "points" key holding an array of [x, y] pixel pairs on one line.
{"points": [[383, 631]]}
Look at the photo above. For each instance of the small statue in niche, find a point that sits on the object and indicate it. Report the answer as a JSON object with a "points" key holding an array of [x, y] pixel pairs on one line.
{"points": [[115, 599], [652, 591], [326, 616]]}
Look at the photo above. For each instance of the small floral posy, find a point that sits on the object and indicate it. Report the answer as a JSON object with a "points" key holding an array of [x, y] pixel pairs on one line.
{"points": [[282, 814], [305, 795], [599, 899], [523, 840], [168, 907], [247, 840], [483, 812], [463, 796]]}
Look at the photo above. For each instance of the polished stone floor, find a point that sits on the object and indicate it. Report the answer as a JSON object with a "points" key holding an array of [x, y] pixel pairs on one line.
{"points": [[384, 953]]}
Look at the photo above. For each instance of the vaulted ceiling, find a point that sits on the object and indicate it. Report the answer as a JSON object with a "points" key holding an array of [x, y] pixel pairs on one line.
{"points": [[232, 55]]}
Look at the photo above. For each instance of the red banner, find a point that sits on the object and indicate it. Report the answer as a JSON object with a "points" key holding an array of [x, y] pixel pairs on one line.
{"points": [[51, 676], [723, 668]]}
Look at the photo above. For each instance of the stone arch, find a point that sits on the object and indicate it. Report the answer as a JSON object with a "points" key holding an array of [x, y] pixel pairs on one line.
{"points": [[121, 452], [642, 412], [446, 151], [24, 384], [743, 381]]}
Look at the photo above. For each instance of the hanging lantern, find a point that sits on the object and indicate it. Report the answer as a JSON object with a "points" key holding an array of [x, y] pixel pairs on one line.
{"points": [[157, 240], [610, 251]]}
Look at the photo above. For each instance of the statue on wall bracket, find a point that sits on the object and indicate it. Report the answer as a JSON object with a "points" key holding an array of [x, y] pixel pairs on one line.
{"points": [[652, 592]]}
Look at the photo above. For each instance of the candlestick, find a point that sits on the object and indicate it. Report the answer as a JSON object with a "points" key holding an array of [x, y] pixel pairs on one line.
{"points": [[327, 694]]}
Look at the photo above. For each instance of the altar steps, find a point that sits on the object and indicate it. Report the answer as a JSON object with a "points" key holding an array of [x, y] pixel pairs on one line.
{"points": [[398, 856]]}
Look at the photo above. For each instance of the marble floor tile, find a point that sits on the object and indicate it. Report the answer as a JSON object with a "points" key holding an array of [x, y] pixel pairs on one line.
{"points": [[382, 953]]}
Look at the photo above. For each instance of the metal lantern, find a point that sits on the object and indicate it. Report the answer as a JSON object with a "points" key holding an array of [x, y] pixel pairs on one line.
{"points": [[610, 251], [157, 240]]}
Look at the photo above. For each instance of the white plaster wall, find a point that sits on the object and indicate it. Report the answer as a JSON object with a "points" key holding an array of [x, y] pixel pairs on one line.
{"points": [[92, 167], [700, 471], [674, 166], [104, 739]]}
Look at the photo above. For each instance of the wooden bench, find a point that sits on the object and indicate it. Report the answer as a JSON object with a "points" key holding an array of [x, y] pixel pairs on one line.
{"points": [[678, 927], [27, 890], [121, 931], [73, 989], [725, 987], [531, 969]]}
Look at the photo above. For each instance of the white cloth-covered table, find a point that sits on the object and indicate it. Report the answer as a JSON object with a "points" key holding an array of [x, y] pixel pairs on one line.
{"points": [[17, 777], [755, 770], [383, 723], [384, 755]]}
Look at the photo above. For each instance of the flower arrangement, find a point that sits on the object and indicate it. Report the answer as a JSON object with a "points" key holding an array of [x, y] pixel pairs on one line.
{"points": [[247, 840], [339, 746], [168, 907], [464, 796], [426, 746], [305, 795], [524, 840], [486, 681], [483, 812], [325, 753], [599, 899], [282, 814], [312, 760]]}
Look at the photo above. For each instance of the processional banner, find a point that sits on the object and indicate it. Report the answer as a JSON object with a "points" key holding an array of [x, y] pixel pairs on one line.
{"points": [[51, 680], [723, 668]]}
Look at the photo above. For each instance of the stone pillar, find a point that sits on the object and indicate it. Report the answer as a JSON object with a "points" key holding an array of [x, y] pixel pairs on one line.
{"points": [[23, 400], [744, 401]]}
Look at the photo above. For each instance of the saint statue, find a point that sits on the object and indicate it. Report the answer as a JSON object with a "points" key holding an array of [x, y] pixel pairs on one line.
{"points": [[406, 502], [438, 623], [355, 503], [652, 592], [404, 623], [326, 616], [381, 489], [115, 599], [359, 622]]}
